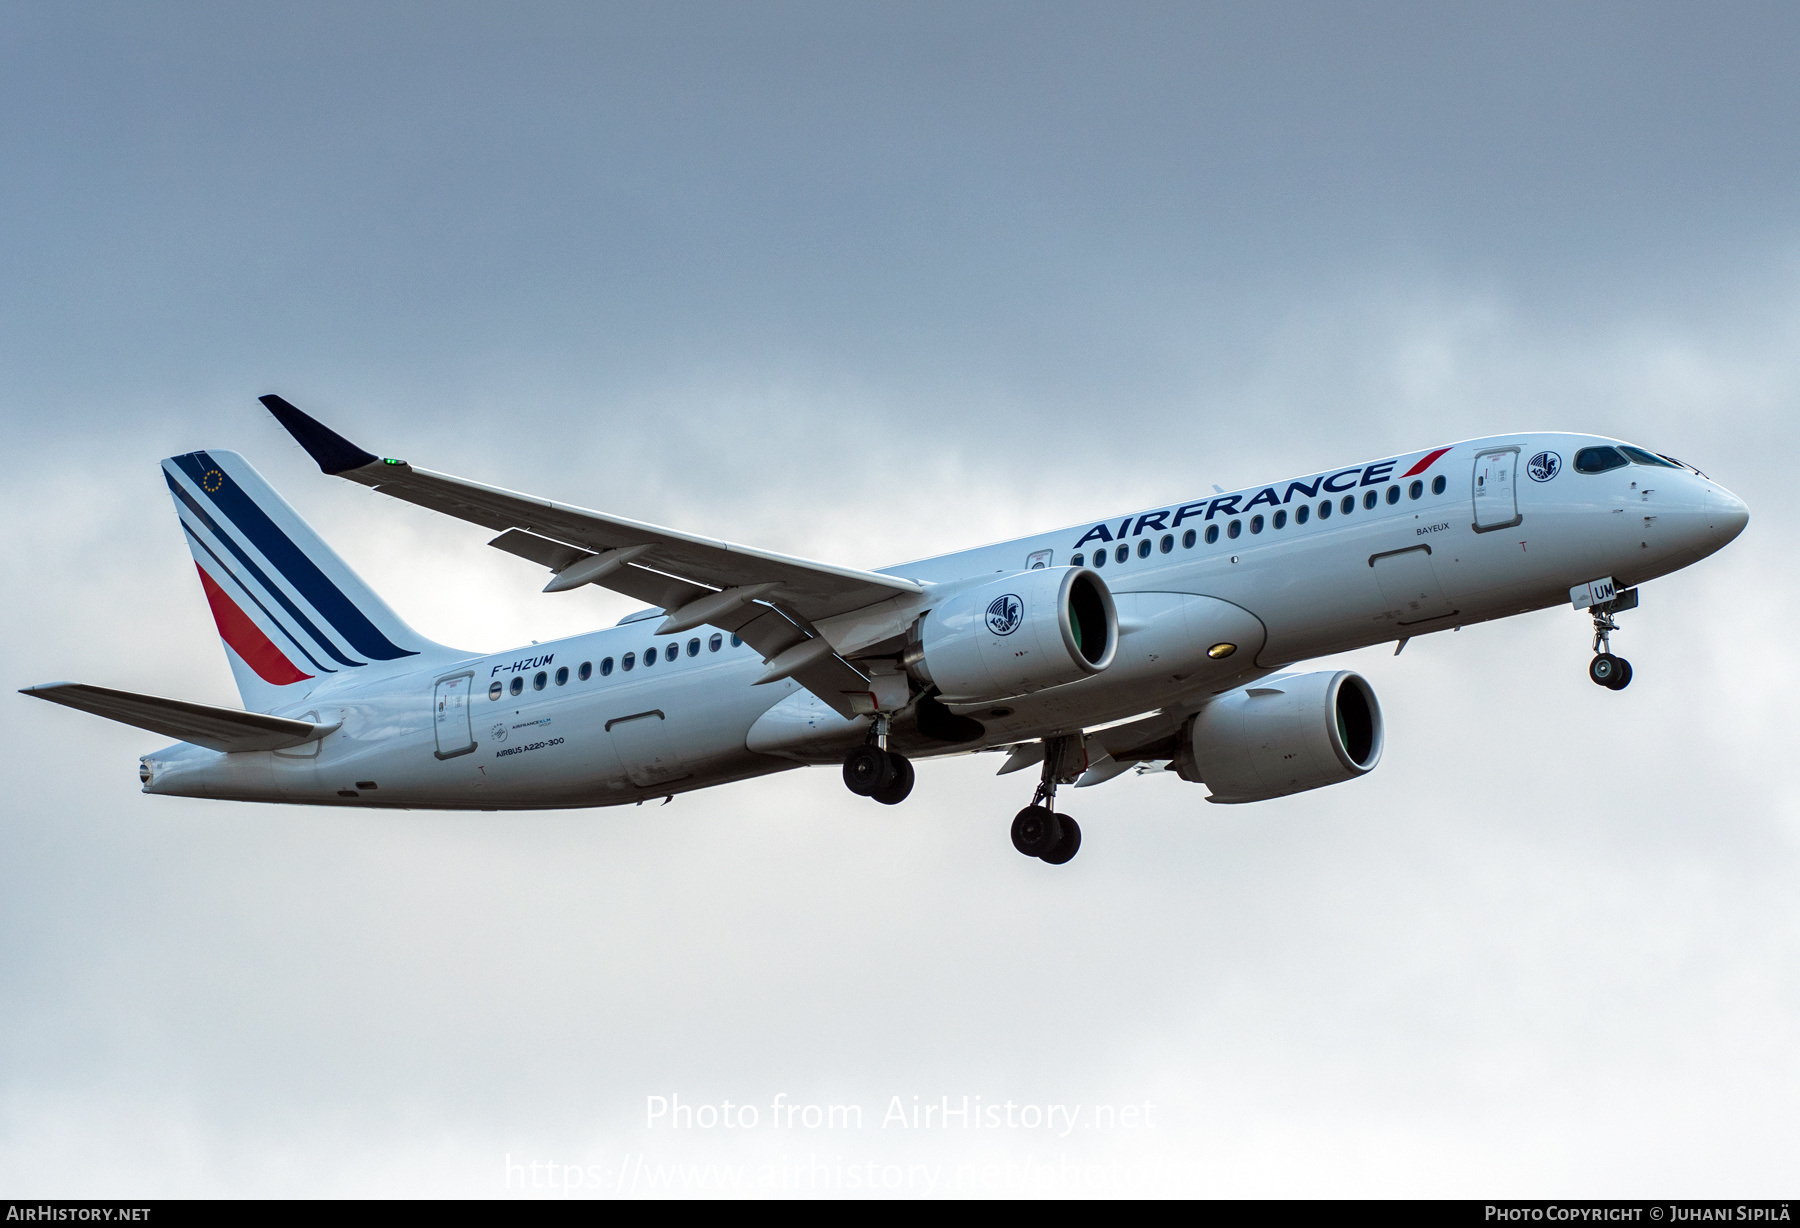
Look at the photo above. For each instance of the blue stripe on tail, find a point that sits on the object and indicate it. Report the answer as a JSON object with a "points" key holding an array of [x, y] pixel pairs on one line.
{"points": [[251, 593], [212, 526], [287, 558]]}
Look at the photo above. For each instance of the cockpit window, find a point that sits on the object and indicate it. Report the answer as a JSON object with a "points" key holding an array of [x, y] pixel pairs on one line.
{"points": [[1646, 458], [1598, 460]]}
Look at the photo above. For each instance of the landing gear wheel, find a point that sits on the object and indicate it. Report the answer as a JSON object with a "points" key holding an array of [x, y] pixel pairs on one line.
{"points": [[1609, 671], [867, 769], [895, 791], [1068, 846], [1036, 830]]}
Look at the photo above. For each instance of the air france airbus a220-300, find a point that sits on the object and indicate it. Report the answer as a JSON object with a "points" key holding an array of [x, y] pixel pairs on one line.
{"points": [[1162, 639]]}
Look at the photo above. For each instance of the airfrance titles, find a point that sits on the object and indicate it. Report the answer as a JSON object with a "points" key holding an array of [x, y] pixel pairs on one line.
{"points": [[1270, 496]]}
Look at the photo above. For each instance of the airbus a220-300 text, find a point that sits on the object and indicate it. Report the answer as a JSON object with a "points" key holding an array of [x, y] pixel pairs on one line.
{"points": [[1163, 639]]}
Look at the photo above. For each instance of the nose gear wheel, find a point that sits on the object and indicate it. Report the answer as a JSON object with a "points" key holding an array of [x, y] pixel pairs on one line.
{"points": [[1607, 670], [1613, 673]]}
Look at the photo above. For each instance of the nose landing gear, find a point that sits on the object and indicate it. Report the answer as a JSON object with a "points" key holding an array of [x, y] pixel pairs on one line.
{"points": [[1613, 673], [1038, 831]]}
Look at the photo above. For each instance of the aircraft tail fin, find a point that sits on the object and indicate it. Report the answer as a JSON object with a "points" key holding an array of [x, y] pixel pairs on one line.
{"points": [[290, 611]]}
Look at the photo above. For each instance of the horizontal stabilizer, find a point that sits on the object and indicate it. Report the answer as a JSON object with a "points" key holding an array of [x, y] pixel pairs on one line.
{"points": [[224, 729]]}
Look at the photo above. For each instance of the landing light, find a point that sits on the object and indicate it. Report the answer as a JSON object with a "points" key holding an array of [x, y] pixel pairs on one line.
{"points": [[1219, 652]]}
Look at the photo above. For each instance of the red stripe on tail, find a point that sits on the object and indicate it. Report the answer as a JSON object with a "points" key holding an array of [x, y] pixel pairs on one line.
{"points": [[1425, 463], [246, 638]]}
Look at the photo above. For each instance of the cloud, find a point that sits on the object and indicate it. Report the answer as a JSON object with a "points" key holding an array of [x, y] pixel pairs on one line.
{"points": [[1545, 945]]}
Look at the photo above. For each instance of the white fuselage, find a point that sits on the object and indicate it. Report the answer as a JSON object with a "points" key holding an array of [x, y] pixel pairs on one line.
{"points": [[1277, 595]]}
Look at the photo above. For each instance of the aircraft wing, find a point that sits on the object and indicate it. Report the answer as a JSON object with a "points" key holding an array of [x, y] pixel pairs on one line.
{"points": [[225, 729], [770, 600]]}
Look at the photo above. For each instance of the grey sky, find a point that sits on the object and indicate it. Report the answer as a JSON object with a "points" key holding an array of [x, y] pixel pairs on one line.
{"points": [[865, 284]]}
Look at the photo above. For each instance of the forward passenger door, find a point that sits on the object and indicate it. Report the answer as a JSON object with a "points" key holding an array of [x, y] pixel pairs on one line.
{"points": [[1496, 489]]}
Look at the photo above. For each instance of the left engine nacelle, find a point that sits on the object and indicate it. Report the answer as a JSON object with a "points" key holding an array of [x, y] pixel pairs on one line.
{"points": [[1018, 634], [1283, 735]]}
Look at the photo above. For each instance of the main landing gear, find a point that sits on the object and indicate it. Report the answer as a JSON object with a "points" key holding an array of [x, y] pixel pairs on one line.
{"points": [[1613, 673], [1038, 831], [872, 770]]}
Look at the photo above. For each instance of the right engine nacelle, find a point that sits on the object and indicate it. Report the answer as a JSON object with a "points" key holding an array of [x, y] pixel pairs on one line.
{"points": [[1283, 735], [1017, 634]]}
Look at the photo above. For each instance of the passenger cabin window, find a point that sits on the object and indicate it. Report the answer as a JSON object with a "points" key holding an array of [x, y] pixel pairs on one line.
{"points": [[735, 641], [518, 685], [1121, 554], [1281, 520], [1235, 528], [1078, 560], [1144, 548], [586, 671], [1647, 458], [562, 675], [1325, 509], [1437, 484], [1415, 490], [1168, 542], [1188, 539], [649, 657], [694, 647], [1302, 513], [1256, 523], [606, 667], [1593, 460], [628, 661], [494, 692], [538, 680], [1212, 534], [1393, 494], [1099, 558], [715, 643], [1371, 499], [1347, 504]]}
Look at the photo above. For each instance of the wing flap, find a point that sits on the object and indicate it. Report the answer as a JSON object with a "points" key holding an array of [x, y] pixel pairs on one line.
{"points": [[644, 583], [540, 550], [222, 729], [814, 590]]}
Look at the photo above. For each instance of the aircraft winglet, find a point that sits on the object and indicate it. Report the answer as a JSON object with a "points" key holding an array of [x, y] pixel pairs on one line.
{"points": [[334, 453]]}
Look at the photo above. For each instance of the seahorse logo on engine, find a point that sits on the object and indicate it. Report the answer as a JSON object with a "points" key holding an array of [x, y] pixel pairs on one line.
{"points": [[1004, 614]]}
